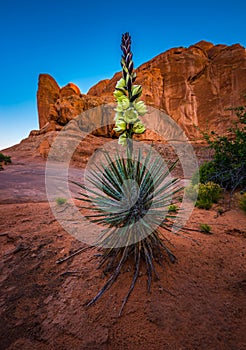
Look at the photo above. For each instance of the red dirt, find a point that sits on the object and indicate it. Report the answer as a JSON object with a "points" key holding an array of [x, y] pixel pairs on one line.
{"points": [[42, 303]]}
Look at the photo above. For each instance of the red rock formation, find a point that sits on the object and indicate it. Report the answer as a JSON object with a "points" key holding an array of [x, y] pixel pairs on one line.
{"points": [[69, 90], [56, 107], [48, 93], [98, 89], [193, 85]]}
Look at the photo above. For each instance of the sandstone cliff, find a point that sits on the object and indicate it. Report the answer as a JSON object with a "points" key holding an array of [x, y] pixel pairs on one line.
{"points": [[193, 85]]}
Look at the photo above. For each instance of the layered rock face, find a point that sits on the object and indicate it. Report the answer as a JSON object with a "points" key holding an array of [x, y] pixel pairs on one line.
{"points": [[192, 85]]}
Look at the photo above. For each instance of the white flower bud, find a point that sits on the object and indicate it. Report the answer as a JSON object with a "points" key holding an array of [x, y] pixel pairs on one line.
{"points": [[140, 107], [121, 84], [124, 102], [120, 125], [122, 139], [138, 128], [130, 116]]}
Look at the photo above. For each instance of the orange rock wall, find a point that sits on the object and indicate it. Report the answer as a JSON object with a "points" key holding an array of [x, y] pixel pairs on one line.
{"points": [[194, 85]]}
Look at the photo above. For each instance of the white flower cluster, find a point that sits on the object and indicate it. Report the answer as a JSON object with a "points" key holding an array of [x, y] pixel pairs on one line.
{"points": [[127, 112]]}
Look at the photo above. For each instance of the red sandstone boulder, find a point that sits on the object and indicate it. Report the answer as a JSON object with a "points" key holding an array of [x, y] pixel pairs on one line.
{"points": [[48, 93], [69, 90]]}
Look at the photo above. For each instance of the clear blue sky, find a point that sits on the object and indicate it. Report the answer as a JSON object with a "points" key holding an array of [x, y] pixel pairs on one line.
{"points": [[79, 41]]}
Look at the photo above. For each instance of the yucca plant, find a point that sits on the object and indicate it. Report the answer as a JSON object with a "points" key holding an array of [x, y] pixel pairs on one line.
{"points": [[129, 195]]}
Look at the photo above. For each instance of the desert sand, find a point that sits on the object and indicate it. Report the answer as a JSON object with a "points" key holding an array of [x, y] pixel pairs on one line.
{"points": [[198, 303]]}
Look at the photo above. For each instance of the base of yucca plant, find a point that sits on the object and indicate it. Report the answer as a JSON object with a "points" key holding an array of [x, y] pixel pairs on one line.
{"points": [[146, 253], [129, 199]]}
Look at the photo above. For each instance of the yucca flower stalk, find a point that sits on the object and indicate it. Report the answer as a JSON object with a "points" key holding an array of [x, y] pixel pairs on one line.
{"points": [[129, 108], [129, 196]]}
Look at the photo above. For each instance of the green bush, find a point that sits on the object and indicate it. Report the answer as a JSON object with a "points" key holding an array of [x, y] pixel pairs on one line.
{"points": [[228, 166], [220, 211], [5, 159], [242, 202], [206, 194], [205, 228], [61, 201], [173, 208], [202, 175], [204, 204], [209, 191]]}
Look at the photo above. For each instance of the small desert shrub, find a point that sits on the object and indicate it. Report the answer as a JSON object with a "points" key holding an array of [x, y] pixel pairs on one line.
{"points": [[220, 211], [173, 208], [242, 202], [61, 201], [228, 166], [210, 191], [204, 204], [203, 173], [206, 194], [5, 159], [205, 228]]}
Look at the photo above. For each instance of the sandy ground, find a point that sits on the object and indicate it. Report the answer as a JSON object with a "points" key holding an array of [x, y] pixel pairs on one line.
{"points": [[42, 302]]}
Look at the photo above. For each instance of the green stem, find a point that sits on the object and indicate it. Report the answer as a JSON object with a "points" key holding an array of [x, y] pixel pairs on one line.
{"points": [[129, 154], [130, 146]]}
